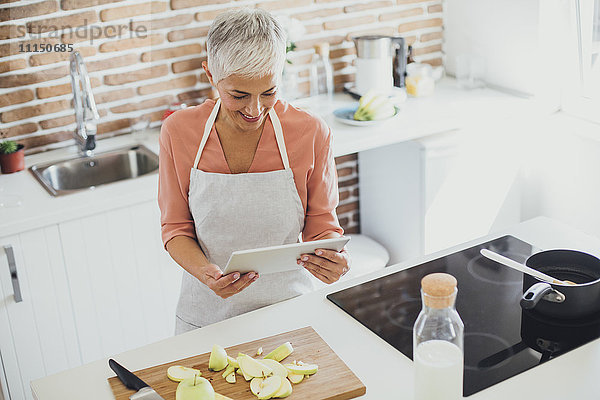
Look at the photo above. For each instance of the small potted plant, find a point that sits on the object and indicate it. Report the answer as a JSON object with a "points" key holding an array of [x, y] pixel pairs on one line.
{"points": [[12, 157]]}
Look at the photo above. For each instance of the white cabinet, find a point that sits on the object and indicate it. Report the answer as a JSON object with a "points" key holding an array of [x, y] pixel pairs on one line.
{"points": [[426, 195], [124, 286], [37, 333], [91, 288]]}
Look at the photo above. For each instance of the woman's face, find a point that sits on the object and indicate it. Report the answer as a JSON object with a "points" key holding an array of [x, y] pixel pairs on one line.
{"points": [[246, 101]]}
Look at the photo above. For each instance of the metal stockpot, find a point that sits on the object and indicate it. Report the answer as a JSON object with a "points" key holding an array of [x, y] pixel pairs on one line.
{"points": [[563, 301]]}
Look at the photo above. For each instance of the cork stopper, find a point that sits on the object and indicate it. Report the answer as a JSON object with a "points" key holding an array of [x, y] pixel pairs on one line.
{"points": [[322, 49], [439, 290]]}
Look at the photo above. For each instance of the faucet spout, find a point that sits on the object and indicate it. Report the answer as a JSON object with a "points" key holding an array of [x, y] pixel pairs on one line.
{"points": [[86, 113]]}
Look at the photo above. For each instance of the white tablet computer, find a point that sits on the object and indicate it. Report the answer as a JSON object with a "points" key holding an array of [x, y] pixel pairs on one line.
{"points": [[267, 260]]}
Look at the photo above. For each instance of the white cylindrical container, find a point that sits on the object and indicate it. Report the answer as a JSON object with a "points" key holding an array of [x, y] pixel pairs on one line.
{"points": [[438, 341], [374, 74]]}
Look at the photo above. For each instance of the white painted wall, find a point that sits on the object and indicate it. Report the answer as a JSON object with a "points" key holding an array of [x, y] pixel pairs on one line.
{"points": [[521, 45], [504, 33], [562, 177]]}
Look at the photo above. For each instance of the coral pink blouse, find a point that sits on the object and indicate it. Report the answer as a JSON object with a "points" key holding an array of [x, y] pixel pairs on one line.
{"points": [[308, 141]]}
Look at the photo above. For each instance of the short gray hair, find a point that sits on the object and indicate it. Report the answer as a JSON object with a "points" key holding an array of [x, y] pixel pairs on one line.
{"points": [[247, 42]]}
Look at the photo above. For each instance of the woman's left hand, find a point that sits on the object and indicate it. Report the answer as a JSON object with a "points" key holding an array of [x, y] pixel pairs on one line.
{"points": [[326, 265]]}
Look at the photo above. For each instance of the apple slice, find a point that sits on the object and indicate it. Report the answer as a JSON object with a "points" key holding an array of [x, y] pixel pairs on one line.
{"points": [[218, 358], [256, 385], [252, 367], [267, 387], [277, 368], [196, 388], [259, 351], [280, 352], [247, 377], [285, 390], [233, 362], [230, 369], [230, 378], [295, 378], [303, 369], [177, 373]]}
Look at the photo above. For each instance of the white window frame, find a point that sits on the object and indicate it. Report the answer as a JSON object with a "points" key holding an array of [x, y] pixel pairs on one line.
{"points": [[576, 98]]}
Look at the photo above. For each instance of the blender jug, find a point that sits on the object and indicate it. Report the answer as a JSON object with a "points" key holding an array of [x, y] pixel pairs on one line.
{"points": [[379, 58]]}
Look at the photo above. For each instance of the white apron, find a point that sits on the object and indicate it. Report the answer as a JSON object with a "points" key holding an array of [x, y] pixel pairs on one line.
{"points": [[237, 212]]}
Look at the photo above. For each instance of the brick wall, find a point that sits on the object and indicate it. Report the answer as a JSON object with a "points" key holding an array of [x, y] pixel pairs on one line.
{"points": [[142, 55]]}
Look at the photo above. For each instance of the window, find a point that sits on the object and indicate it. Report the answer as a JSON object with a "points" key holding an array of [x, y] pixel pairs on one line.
{"points": [[582, 94]]}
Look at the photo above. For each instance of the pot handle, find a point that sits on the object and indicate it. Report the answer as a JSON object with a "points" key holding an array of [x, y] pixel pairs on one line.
{"points": [[534, 294]]}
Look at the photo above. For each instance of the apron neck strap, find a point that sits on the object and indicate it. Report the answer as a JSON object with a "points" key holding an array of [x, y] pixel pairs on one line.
{"points": [[279, 137], [207, 128], [276, 127]]}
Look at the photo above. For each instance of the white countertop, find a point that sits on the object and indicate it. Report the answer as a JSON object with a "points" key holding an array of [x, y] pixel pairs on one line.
{"points": [[386, 372], [449, 108]]}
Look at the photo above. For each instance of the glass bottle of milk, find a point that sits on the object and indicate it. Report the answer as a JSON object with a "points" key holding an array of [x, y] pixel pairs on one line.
{"points": [[438, 341]]}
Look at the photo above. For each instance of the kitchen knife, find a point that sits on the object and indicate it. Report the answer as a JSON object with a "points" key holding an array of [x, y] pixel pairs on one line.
{"points": [[144, 391]]}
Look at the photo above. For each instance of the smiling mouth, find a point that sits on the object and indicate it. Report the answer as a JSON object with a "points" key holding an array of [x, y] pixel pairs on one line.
{"points": [[248, 118]]}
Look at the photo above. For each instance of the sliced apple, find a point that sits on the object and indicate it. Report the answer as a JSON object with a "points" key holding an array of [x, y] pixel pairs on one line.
{"points": [[230, 369], [256, 385], [218, 358], [239, 371], [252, 367], [259, 351], [177, 373], [295, 378], [285, 390], [233, 362], [277, 368], [268, 387], [280, 352], [304, 369], [230, 378]]}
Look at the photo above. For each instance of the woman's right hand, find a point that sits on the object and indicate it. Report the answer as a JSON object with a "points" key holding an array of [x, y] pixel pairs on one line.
{"points": [[226, 285]]}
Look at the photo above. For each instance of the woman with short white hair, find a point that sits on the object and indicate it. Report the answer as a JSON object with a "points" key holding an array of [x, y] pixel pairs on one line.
{"points": [[245, 171]]}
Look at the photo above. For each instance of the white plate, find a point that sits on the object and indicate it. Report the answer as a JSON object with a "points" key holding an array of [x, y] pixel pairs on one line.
{"points": [[345, 115], [268, 260]]}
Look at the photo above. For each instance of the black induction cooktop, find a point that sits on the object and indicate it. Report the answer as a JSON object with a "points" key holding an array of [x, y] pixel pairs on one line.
{"points": [[501, 340]]}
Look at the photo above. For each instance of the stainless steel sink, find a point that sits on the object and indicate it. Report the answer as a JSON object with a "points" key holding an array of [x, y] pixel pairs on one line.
{"points": [[81, 173]]}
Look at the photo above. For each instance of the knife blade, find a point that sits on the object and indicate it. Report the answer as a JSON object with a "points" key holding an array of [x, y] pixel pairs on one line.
{"points": [[144, 391]]}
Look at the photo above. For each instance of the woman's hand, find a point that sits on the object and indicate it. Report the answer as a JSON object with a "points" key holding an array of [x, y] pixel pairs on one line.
{"points": [[326, 265], [226, 285]]}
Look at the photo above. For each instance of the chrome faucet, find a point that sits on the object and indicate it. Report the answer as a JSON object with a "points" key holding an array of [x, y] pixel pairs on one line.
{"points": [[86, 113]]}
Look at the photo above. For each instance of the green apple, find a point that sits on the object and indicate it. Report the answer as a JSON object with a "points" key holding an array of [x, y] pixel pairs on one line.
{"points": [[196, 388], [285, 390], [177, 373], [265, 388], [304, 369], [277, 368], [218, 358], [230, 369], [280, 352], [233, 362], [295, 378], [252, 367]]}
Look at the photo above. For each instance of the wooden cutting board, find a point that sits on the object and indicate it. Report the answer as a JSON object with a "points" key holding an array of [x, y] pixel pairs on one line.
{"points": [[333, 381]]}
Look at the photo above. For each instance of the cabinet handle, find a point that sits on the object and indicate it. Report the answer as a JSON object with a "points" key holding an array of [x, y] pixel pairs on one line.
{"points": [[12, 267]]}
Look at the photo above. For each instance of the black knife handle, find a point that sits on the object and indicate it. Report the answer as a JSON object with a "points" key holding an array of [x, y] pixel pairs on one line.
{"points": [[128, 378]]}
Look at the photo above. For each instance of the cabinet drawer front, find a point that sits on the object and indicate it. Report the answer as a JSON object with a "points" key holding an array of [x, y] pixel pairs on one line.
{"points": [[37, 334]]}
